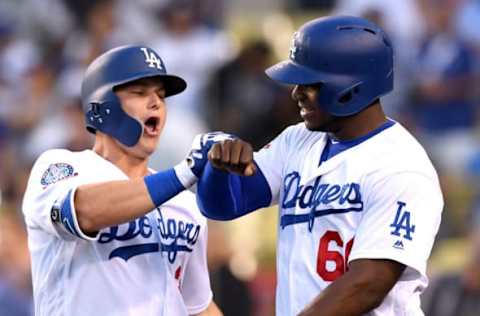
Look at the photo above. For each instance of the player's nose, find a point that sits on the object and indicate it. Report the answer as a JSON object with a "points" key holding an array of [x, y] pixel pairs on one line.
{"points": [[155, 101], [298, 93]]}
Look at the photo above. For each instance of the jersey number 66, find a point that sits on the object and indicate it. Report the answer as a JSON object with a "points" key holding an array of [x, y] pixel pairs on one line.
{"points": [[325, 255]]}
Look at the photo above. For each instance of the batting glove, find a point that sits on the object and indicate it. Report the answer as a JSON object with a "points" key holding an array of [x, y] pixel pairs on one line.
{"points": [[191, 169]]}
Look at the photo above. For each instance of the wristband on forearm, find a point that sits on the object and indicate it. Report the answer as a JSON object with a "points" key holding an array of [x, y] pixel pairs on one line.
{"points": [[162, 186]]}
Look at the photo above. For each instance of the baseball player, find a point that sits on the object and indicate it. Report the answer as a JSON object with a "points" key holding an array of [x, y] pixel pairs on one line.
{"points": [[107, 236], [359, 200]]}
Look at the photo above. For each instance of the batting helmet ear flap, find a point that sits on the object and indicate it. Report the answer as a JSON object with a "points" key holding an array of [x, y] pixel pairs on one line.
{"points": [[119, 125], [114, 68], [350, 56]]}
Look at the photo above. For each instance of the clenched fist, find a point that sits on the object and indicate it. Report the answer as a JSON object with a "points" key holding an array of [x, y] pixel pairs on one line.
{"points": [[233, 155]]}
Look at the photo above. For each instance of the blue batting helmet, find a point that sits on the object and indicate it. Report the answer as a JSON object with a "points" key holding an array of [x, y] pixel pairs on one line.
{"points": [[115, 67], [350, 57]]}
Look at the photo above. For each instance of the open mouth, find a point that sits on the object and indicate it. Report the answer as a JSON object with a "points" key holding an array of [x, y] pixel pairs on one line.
{"points": [[151, 126]]}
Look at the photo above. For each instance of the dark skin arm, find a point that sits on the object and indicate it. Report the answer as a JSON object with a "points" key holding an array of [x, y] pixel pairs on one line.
{"points": [[361, 289]]}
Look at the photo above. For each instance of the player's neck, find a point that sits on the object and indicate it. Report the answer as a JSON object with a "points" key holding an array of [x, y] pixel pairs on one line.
{"points": [[132, 166], [361, 124]]}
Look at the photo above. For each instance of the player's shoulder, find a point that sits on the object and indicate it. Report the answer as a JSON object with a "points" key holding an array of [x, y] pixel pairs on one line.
{"points": [[403, 144], [55, 154], [398, 150], [62, 155], [298, 134], [59, 157], [298, 130], [55, 164]]}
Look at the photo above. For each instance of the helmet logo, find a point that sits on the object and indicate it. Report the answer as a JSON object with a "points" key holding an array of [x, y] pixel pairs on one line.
{"points": [[293, 47], [151, 59]]}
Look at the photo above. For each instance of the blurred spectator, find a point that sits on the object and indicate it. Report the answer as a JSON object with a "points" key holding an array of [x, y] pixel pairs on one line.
{"points": [[230, 293], [309, 4], [193, 51], [15, 283], [403, 22], [468, 26], [46, 23], [457, 293], [98, 30], [68, 118], [5, 159], [402, 19], [35, 104], [443, 110], [211, 12], [244, 101], [467, 22]]}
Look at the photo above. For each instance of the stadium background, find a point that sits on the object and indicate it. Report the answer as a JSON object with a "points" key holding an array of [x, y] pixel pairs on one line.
{"points": [[221, 48]]}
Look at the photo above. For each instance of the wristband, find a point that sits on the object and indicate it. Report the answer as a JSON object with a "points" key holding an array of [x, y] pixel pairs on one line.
{"points": [[162, 186]]}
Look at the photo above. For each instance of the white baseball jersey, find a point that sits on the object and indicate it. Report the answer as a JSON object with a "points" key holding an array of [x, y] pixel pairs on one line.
{"points": [[183, 231], [124, 269], [378, 199]]}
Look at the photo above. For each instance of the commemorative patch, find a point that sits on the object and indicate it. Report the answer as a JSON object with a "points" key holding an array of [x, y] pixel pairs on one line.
{"points": [[57, 172]]}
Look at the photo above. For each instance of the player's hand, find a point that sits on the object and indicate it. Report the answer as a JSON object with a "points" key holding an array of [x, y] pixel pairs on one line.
{"points": [[233, 155], [198, 156]]}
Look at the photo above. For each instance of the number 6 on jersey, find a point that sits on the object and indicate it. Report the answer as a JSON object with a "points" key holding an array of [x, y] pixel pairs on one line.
{"points": [[325, 255]]}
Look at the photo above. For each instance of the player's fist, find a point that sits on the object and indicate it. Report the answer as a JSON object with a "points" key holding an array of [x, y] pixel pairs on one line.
{"points": [[233, 155], [198, 156]]}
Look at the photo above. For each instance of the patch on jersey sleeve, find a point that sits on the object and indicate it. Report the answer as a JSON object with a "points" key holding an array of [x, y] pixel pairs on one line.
{"points": [[57, 172]]}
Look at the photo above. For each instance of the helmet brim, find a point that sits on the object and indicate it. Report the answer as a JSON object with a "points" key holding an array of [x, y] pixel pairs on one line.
{"points": [[172, 84], [289, 72]]}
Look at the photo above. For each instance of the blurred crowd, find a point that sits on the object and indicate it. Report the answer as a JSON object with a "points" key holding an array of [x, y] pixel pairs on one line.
{"points": [[44, 49]]}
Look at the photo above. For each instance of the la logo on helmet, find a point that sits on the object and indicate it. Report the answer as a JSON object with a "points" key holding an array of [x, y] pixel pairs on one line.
{"points": [[293, 47], [151, 59]]}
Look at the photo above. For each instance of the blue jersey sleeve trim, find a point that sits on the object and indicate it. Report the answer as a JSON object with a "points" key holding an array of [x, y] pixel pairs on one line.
{"points": [[225, 196], [68, 219]]}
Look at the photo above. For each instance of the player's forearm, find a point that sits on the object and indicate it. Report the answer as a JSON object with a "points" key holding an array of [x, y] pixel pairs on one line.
{"points": [[106, 204], [344, 298], [111, 203], [216, 197], [225, 196], [358, 291]]}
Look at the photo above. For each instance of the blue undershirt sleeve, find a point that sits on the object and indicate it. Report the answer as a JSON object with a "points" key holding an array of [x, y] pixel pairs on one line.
{"points": [[225, 196]]}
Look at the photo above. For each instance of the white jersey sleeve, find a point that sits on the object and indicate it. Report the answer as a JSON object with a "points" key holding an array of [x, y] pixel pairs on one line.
{"points": [[195, 288], [272, 159], [53, 181], [402, 216]]}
